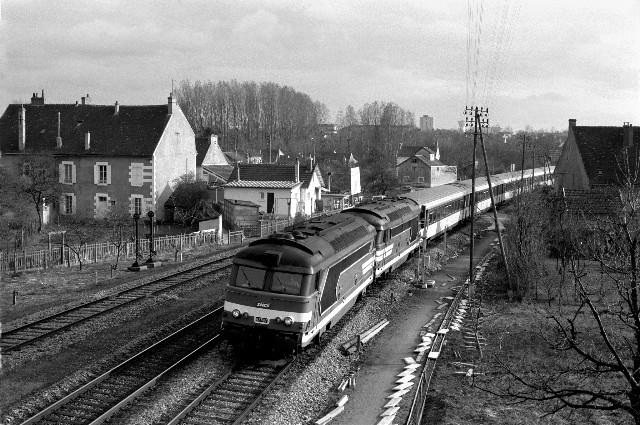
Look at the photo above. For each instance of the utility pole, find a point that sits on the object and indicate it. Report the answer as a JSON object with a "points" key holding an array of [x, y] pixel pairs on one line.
{"points": [[525, 140], [493, 201], [473, 112]]}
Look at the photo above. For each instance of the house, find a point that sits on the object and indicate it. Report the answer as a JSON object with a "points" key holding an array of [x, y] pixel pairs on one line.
{"points": [[420, 166], [595, 157], [211, 163], [107, 155], [283, 190]]}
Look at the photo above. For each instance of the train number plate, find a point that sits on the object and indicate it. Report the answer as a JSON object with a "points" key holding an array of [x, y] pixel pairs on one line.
{"points": [[261, 320]]}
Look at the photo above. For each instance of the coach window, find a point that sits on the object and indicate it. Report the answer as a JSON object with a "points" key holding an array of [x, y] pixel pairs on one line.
{"points": [[249, 277]]}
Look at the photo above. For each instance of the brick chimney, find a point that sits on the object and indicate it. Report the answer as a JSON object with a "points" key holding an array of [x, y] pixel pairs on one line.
{"points": [[171, 104], [22, 127], [87, 141], [297, 170], [627, 135], [86, 100], [329, 181], [572, 123], [116, 109]]}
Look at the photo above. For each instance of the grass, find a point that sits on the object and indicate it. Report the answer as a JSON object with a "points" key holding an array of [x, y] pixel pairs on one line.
{"points": [[515, 333]]}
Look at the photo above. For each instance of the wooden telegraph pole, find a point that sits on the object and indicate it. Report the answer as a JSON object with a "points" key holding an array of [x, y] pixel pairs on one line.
{"points": [[493, 203], [473, 112]]}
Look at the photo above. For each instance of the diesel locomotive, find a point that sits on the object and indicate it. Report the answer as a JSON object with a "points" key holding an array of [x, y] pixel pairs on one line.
{"points": [[287, 289]]}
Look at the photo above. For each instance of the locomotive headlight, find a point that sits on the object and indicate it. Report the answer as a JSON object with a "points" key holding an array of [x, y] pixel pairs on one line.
{"points": [[278, 320], [245, 315], [288, 321], [236, 314]]}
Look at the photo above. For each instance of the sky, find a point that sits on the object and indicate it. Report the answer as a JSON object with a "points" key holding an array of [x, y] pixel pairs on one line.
{"points": [[532, 63]]}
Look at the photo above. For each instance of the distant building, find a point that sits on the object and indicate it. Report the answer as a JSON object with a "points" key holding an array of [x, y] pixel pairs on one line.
{"points": [[593, 164], [596, 156], [420, 166], [107, 155], [211, 162], [426, 123]]}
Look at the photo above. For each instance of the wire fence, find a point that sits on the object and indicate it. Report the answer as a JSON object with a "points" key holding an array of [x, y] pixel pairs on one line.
{"points": [[59, 254]]}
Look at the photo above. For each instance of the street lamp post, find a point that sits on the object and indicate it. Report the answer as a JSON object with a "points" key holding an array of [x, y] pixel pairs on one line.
{"points": [[152, 252]]}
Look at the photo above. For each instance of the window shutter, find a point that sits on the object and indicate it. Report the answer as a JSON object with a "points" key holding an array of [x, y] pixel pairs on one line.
{"points": [[61, 173], [73, 173], [108, 174], [96, 174], [73, 204]]}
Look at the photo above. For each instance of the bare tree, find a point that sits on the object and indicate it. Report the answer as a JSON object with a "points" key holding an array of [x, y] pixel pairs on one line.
{"points": [[36, 179], [594, 340], [118, 222], [188, 195]]}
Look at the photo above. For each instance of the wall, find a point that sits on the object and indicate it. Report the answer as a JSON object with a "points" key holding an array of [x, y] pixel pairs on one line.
{"points": [[174, 156], [442, 175], [569, 172], [253, 195], [118, 190]]}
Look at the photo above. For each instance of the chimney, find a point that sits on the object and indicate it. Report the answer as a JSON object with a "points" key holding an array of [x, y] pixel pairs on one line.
{"points": [[58, 139], [116, 109], [83, 99], [37, 101], [627, 135], [172, 104], [572, 123], [297, 170], [238, 168], [329, 180], [87, 141], [22, 127]]}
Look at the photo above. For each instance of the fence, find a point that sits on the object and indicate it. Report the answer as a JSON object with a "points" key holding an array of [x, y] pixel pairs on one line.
{"points": [[61, 254]]}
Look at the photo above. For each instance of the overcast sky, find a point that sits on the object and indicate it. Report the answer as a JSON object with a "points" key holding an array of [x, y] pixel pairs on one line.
{"points": [[539, 63]]}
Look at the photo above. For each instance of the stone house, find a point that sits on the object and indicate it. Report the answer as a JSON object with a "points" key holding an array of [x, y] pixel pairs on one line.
{"points": [[107, 155]]}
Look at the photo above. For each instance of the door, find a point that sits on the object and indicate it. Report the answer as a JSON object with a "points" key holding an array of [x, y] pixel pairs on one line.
{"points": [[270, 202]]}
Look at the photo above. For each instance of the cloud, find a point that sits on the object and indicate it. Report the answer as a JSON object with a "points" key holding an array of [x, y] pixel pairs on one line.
{"points": [[548, 97]]}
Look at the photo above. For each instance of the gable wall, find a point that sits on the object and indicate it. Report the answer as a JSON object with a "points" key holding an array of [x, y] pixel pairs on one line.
{"points": [[174, 156], [569, 172]]}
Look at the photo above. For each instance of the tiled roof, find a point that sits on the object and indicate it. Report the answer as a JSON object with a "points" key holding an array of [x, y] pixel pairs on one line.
{"points": [[263, 184], [202, 147], [605, 201], [407, 150], [134, 131], [223, 171], [273, 173], [602, 153]]}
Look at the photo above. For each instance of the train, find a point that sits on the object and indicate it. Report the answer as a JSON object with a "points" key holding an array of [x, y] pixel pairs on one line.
{"points": [[287, 289]]}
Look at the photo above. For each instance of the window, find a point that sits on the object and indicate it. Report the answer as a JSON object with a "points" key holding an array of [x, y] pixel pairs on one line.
{"points": [[261, 195], [68, 173], [26, 169], [405, 178], [249, 277], [68, 204], [137, 206], [286, 283], [102, 174], [113, 203], [414, 160], [420, 179], [102, 199]]}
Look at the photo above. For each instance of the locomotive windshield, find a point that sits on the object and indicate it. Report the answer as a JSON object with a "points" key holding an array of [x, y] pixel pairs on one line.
{"points": [[248, 277], [286, 283]]}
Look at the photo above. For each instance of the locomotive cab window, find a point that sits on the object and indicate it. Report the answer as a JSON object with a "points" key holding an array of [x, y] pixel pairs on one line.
{"points": [[249, 277], [286, 283]]}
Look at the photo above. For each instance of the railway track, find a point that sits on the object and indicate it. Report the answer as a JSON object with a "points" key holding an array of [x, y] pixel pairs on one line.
{"points": [[98, 400], [230, 399], [17, 338]]}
